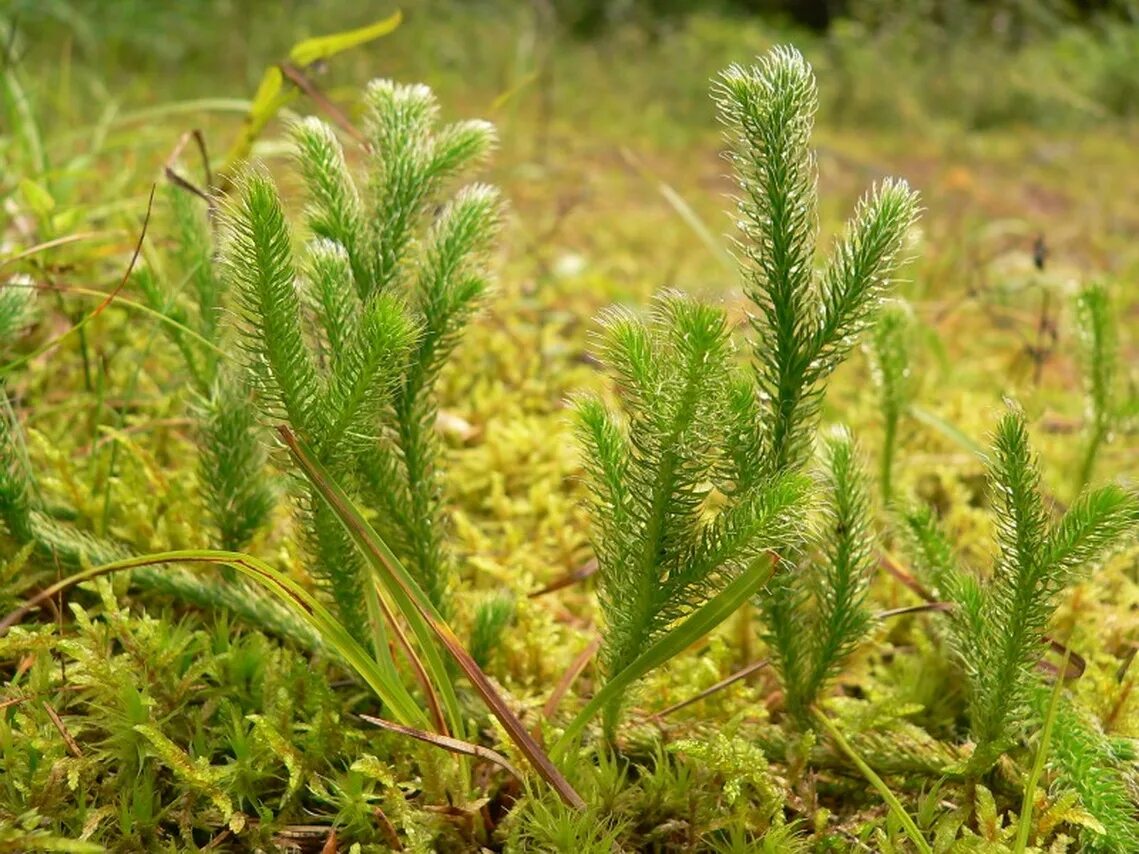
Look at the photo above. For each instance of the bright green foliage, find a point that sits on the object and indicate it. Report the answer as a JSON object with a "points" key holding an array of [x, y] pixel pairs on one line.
{"points": [[998, 626], [890, 366], [232, 464], [677, 507], [65, 546], [742, 765], [346, 335], [183, 728], [195, 271], [62, 545], [16, 307], [816, 613], [23, 515], [806, 324], [1100, 350], [178, 726]]}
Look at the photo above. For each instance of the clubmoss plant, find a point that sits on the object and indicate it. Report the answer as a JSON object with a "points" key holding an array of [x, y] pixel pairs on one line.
{"points": [[889, 352], [672, 516], [806, 323], [703, 481], [492, 617], [1100, 352], [1091, 765], [815, 612], [998, 626], [191, 293], [346, 334], [17, 310]]}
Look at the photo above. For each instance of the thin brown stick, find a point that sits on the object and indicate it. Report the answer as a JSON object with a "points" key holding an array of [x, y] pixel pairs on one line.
{"points": [[914, 609], [743, 673], [186, 184], [576, 577], [222, 836], [887, 562], [1128, 659], [452, 745], [299, 79], [68, 739], [134, 257], [1076, 665], [568, 678], [388, 828]]}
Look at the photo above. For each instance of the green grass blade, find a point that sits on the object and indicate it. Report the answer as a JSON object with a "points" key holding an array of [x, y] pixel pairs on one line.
{"points": [[22, 121], [273, 93], [120, 302], [425, 620], [685, 211], [1025, 825], [946, 429], [409, 599], [319, 48], [878, 783], [699, 623]]}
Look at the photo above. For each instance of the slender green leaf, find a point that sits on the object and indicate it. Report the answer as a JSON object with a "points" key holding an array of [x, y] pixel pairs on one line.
{"points": [[323, 47], [878, 783], [1025, 824], [424, 619]]}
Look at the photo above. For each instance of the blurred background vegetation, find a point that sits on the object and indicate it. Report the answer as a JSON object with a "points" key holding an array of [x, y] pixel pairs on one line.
{"points": [[1015, 120], [1042, 62], [602, 99]]}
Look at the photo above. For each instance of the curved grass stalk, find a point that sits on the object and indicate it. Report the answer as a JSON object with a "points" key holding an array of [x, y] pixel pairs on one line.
{"points": [[78, 327], [1024, 826], [393, 694], [408, 597]]}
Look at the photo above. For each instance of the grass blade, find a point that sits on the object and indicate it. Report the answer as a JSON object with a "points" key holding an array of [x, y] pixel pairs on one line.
{"points": [[318, 48], [878, 783], [422, 616], [947, 429], [1025, 825], [272, 95], [409, 651]]}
